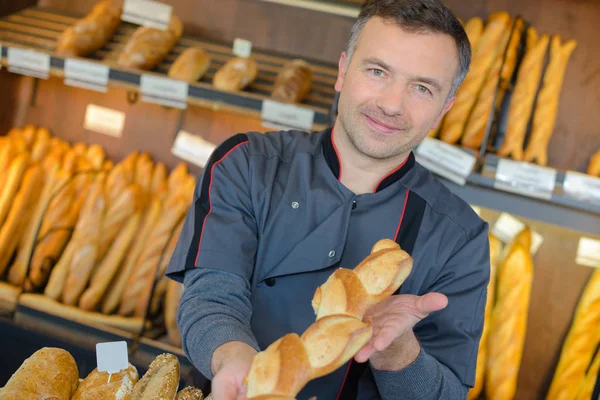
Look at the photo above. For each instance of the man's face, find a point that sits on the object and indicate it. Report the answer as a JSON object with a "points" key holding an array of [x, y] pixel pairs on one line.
{"points": [[395, 87]]}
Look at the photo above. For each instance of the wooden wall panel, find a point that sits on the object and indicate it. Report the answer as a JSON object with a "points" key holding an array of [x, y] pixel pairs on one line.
{"points": [[10, 6]]}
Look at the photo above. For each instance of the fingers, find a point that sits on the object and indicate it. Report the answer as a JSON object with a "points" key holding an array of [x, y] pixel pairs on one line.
{"points": [[430, 302], [365, 353]]}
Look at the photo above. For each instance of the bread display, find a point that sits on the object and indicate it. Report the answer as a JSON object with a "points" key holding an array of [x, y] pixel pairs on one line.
{"points": [[580, 344], [50, 373], [509, 321], [102, 385], [587, 385], [546, 108], [236, 74], [338, 333], [190, 393], [594, 165], [148, 46], [92, 32], [293, 82], [160, 382], [172, 300], [190, 65]]}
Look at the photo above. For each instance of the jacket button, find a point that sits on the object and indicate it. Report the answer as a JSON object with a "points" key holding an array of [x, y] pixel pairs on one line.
{"points": [[332, 253], [270, 282], [354, 204]]}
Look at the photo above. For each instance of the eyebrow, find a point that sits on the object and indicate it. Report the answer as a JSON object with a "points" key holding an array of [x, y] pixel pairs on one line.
{"points": [[376, 61]]}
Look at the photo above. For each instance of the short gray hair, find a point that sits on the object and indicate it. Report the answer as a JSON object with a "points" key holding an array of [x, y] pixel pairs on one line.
{"points": [[417, 16]]}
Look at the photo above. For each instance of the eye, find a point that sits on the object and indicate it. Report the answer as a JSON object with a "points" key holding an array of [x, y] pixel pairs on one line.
{"points": [[377, 72], [423, 89]]}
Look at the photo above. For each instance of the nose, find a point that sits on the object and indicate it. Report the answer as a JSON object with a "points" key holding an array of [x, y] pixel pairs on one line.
{"points": [[391, 100]]}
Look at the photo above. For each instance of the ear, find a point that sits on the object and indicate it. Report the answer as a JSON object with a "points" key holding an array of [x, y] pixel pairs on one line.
{"points": [[341, 72], [446, 108]]}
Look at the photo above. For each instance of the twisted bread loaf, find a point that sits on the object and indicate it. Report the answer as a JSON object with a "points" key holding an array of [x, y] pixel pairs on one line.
{"points": [[586, 388], [288, 364], [580, 344], [508, 323], [510, 62], [594, 165], [546, 108]]}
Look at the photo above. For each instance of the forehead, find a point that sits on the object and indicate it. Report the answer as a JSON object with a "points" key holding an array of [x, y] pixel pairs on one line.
{"points": [[420, 53]]}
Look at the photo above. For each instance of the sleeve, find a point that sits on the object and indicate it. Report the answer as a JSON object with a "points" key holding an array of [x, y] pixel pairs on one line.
{"points": [[450, 337]]}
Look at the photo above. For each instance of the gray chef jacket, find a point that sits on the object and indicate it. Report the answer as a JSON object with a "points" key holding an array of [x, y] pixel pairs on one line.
{"points": [[271, 221]]}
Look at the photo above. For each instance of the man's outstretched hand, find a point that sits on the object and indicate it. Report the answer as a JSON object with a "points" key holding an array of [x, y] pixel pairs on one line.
{"points": [[394, 345]]}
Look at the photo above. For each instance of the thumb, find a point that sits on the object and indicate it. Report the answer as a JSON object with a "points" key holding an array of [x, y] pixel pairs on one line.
{"points": [[431, 302]]}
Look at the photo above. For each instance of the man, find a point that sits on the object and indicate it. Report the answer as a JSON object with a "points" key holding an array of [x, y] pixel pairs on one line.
{"points": [[275, 214]]}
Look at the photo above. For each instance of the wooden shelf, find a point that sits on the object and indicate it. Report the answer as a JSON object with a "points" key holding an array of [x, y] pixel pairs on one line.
{"points": [[38, 29], [344, 8]]}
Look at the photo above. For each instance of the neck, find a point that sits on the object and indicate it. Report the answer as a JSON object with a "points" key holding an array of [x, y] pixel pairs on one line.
{"points": [[361, 173]]}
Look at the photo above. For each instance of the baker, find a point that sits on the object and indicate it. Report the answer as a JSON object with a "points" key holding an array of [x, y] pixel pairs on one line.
{"points": [[275, 214]]}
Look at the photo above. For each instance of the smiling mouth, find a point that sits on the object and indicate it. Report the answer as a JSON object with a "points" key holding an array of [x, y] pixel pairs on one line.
{"points": [[380, 126]]}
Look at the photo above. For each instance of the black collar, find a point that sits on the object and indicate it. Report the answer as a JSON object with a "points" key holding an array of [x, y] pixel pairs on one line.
{"points": [[333, 160]]}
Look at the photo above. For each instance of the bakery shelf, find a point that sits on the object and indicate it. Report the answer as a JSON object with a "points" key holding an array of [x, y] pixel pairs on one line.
{"points": [[344, 8], [38, 28]]}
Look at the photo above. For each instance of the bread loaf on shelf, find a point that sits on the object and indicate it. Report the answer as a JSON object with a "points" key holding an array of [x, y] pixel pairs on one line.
{"points": [[15, 172], [236, 74], [105, 386], [92, 32], [50, 373], [148, 46], [594, 165], [474, 29], [293, 83], [161, 381], [191, 65], [338, 333], [509, 322]]}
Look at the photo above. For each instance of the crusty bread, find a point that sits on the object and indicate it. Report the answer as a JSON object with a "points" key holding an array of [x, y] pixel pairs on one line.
{"points": [[11, 185], [50, 373], [588, 384], [161, 381], [105, 386], [293, 82], [236, 74], [594, 165], [190, 393], [191, 65]]}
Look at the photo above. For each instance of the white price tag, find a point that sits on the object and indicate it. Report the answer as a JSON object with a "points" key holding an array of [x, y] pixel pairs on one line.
{"points": [[28, 62], [507, 227], [104, 120], [446, 160], [287, 115], [524, 178], [582, 186], [588, 252], [192, 148], [87, 75], [165, 91], [242, 47], [147, 13], [112, 357]]}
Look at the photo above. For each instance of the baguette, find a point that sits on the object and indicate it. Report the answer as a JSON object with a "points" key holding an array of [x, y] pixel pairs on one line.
{"points": [[19, 214], [149, 46], [293, 83], [587, 386], [338, 333], [144, 173], [161, 381], [580, 344], [105, 386], [41, 146], [510, 63], [95, 155], [474, 29], [521, 103], [29, 134], [14, 176], [191, 65], [121, 176], [544, 117], [90, 33], [594, 165], [508, 323], [172, 300], [466, 96], [159, 178], [236, 74], [49, 373]]}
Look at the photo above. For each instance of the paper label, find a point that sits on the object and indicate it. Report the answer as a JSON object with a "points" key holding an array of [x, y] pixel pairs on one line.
{"points": [[507, 227], [28, 62], [582, 186], [192, 148], [446, 160], [86, 75], [588, 252], [526, 179], [147, 13], [287, 115], [112, 357], [104, 120], [165, 91], [242, 47]]}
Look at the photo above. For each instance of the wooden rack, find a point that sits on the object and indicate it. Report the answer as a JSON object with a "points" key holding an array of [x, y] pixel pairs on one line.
{"points": [[39, 28]]}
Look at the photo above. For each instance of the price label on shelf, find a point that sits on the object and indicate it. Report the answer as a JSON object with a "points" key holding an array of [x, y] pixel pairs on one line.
{"points": [[87, 75], [588, 252], [288, 116], [242, 47], [165, 91], [446, 160], [28, 62], [507, 227], [192, 148], [112, 357], [581, 186], [104, 120], [526, 179], [147, 13]]}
